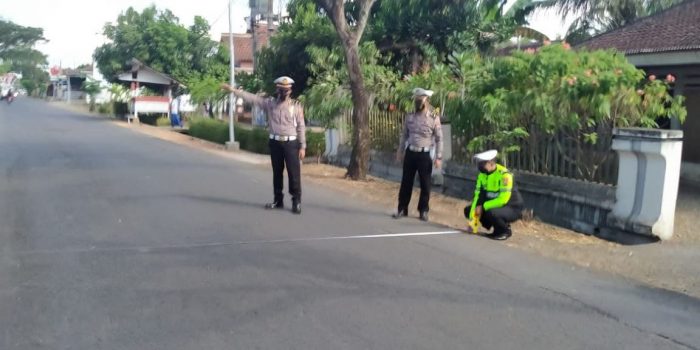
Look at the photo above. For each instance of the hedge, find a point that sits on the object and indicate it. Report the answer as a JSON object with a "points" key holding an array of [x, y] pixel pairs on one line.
{"points": [[253, 139], [209, 129]]}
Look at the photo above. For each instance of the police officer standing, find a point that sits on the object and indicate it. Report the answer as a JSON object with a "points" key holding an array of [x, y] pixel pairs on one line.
{"points": [[421, 131], [496, 201], [287, 139]]}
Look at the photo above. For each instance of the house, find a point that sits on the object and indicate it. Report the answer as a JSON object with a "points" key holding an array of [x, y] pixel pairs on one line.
{"points": [[662, 44], [67, 84], [243, 45], [162, 85]]}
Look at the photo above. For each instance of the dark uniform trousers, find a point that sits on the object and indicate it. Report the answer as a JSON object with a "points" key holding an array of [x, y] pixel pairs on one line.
{"points": [[500, 218], [281, 153], [415, 162]]}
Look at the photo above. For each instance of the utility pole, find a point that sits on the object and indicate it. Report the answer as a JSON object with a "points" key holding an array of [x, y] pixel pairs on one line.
{"points": [[231, 144], [253, 24], [270, 16]]}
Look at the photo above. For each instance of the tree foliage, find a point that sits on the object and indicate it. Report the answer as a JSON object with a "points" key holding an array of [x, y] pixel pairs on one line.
{"points": [[550, 95], [17, 54], [157, 39], [415, 31], [491, 24], [412, 34], [598, 16], [287, 54], [92, 88], [17, 41], [329, 93]]}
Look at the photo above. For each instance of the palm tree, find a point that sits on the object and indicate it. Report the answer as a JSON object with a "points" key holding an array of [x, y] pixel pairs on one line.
{"points": [[493, 25], [599, 16]]}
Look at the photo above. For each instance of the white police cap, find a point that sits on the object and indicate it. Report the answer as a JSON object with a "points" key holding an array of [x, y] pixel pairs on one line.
{"points": [[422, 92], [284, 81], [486, 156]]}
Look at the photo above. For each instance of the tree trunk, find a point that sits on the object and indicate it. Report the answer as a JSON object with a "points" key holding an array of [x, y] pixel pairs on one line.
{"points": [[415, 61], [350, 39], [359, 159]]}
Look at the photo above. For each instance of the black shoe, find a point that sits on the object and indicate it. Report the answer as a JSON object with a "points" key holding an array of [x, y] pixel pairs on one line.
{"points": [[501, 236], [424, 216], [399, 214], [274, 205], [296, 208]]}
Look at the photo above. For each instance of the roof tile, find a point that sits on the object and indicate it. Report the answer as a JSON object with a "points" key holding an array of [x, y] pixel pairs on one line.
{"points": [[676, 29]]}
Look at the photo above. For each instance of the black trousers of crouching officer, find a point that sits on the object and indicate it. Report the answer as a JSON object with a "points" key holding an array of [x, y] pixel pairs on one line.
{"points": [[415, 162], [285, 153], [500, 218]]}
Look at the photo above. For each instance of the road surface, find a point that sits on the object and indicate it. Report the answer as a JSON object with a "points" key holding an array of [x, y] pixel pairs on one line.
{"points": [[110, 239]]}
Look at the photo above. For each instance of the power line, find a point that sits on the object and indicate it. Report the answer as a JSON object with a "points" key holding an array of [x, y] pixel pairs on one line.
{"points": [[223, 12]]}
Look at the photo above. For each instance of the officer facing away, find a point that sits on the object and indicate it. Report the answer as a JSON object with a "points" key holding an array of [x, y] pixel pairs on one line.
{"points": [[287, 139], [419, 130], [496, 199]]}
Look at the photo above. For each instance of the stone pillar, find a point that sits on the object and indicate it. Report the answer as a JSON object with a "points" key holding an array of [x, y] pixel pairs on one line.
{"points": [[647, 184], [446, 142], [332, 143]]}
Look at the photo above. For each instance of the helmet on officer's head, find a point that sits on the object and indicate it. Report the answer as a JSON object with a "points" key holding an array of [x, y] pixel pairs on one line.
{"points": [[284, 82], [420, 92], [486, 156]]}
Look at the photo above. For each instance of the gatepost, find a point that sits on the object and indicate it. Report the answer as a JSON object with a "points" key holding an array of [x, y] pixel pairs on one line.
{"points": [[647, 185]]}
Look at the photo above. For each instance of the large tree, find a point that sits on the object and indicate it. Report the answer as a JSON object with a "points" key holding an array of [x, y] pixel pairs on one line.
{"points": [[412, 29], [16, 40], [350, 25], [286, 54], [158, 40], [17, 54], [411, 33], [420, 32], [492, 24]]}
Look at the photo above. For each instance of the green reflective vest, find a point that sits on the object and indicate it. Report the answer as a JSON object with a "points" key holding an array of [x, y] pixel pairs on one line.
{"points": [[497, 187]]}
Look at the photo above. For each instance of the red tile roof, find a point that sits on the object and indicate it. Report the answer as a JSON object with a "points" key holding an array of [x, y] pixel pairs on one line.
{"points": [[675, 29], [243, 45]]}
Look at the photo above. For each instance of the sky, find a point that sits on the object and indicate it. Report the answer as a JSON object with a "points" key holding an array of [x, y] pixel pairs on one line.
{"points": [[74, 27]]}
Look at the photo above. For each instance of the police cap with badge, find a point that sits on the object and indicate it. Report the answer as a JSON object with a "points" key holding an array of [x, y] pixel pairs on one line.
{"points": [[284, 82]]}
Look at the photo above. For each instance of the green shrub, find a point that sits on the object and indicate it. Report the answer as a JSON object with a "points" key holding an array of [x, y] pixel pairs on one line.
{"points": [[150, 118], [250, 139], [315, 143], [163, 121], [209, 129], [120, 108], [253, 140], [104, 108]]}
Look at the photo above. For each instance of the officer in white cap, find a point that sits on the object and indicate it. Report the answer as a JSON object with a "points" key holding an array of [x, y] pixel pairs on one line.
{"points": [[421, 131], [496, 201], [287, 139]]}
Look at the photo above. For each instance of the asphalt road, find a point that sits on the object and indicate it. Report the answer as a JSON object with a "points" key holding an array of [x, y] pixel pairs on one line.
{"points": [[110, 239]]}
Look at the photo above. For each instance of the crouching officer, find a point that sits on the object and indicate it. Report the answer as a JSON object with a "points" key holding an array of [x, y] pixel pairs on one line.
{"points": [[496, 199], [287, 139], [419, 130]]}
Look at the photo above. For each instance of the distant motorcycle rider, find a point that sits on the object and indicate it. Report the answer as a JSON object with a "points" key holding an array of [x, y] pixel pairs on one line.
{"points": [[9, 96]]}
